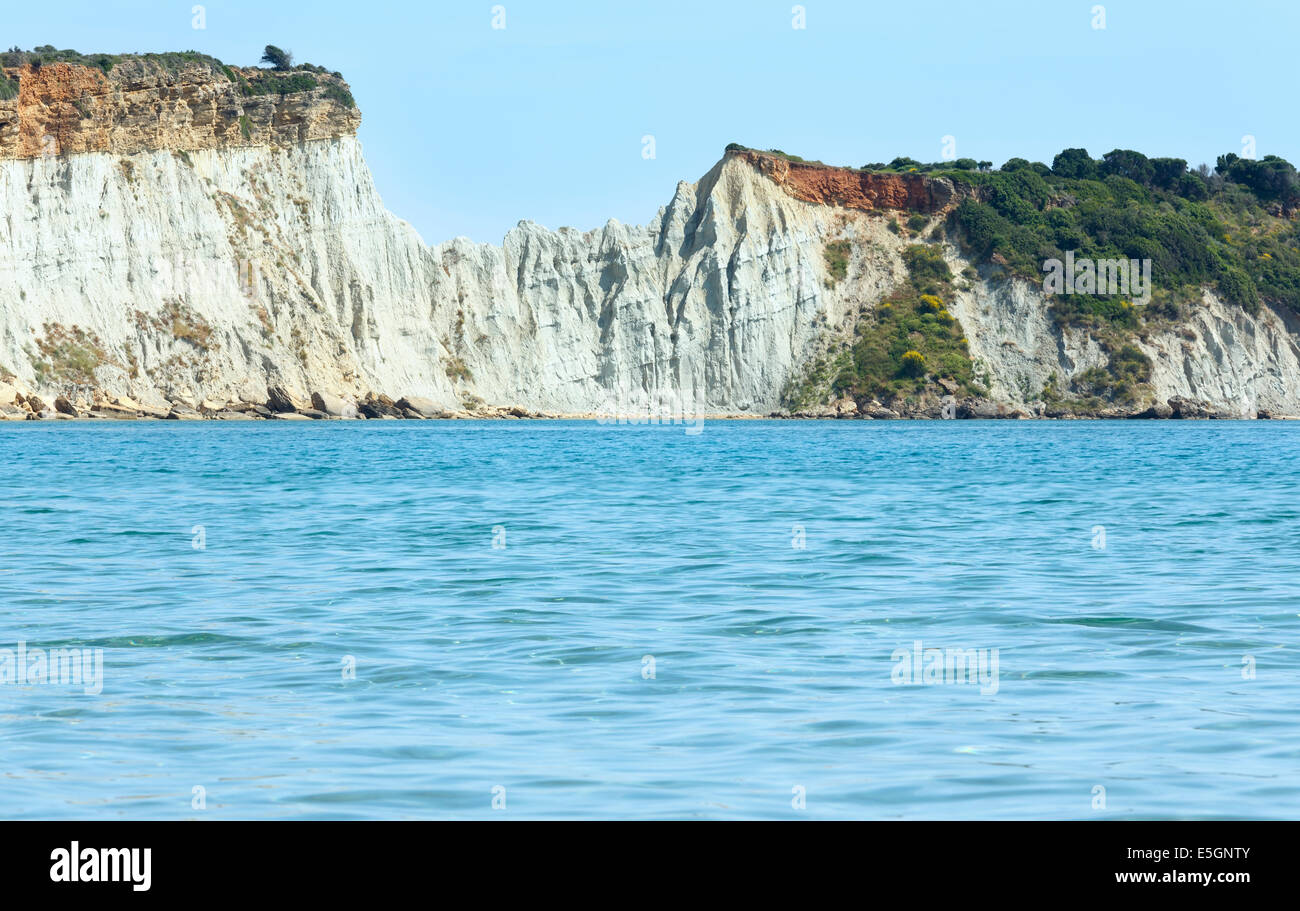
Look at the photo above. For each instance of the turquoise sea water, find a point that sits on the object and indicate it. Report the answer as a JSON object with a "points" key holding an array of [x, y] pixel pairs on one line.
{"points": [[588, 621]]}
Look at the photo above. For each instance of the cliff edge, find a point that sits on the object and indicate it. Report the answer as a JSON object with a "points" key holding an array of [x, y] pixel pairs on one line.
{"points": [[142, 104]]}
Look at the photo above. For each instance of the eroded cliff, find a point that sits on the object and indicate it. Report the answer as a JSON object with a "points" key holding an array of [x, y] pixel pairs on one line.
{"points": [[141, 105], [183, 236], [868, 191]]}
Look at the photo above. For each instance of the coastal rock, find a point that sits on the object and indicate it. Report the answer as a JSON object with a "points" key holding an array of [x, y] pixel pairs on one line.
{"points": [[63, 406], [333, 405], [280, 401], [980, 409], [1158, 411], [425, 408], [378, 406], [1189, 409]]}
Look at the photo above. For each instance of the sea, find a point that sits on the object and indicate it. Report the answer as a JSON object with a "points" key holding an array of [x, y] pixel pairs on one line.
{"points": [[741, 619]]}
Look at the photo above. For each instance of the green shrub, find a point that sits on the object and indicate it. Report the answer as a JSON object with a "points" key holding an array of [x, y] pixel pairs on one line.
{"points": [[1234, 233], [837, 255], [67, 355], [280, 85], [341, 95]]}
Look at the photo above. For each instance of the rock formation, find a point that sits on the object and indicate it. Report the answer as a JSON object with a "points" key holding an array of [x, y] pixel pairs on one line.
{"points": [[189, 242]]}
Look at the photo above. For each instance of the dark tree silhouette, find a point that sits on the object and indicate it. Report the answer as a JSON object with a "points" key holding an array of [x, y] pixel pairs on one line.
{"points": [[279, 59]]}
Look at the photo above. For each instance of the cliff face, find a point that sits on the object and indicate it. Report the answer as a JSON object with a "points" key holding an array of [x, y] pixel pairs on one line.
{"points": [[141, 106], [169, 237], [868, 191]]}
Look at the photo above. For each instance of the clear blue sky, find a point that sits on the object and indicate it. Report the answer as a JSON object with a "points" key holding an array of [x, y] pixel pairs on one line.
{"points": [[470, 129]]}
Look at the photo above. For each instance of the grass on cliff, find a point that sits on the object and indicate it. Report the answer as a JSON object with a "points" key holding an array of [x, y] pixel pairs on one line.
{"points": [[1125, 380], [836, 253], [67, 355], [302, 78], [903, 349], [170, 62]]}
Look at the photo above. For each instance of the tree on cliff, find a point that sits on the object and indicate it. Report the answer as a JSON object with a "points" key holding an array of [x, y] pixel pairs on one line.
{"points": [[279, 59]]}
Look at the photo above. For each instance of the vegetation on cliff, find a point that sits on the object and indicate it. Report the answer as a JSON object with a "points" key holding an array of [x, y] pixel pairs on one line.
{"points": [[283, 78], [1231, 228], [908, 346], [171, 62]]}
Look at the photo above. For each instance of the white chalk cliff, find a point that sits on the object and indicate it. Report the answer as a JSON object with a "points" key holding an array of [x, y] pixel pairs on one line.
{"points": [[212, 262]]}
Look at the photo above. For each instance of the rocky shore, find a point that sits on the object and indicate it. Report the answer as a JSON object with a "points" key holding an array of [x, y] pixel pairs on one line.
{"points": [[950, 407], [19, 403]]}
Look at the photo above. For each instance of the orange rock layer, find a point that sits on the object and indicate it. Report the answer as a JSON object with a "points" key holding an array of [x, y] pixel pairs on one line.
{"points": [[866, 190], [62, 108]]}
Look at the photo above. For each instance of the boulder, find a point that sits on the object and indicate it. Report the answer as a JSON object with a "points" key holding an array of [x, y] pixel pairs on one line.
{"points": [[425, 408], [63, 406], [378, 406], [981, 409], [1158, 411], [333, 405], [291, 416], [313, 414], [234, 416], [280, 401], [35, 403], [8, 394], [1189, 409]]}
